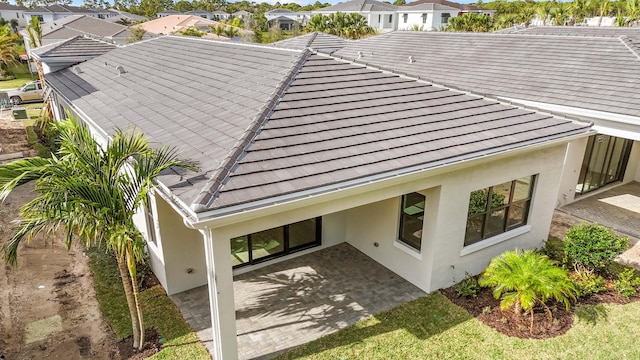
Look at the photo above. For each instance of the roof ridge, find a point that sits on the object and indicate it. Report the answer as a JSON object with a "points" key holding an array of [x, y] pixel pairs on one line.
{"points": [[220, 175], [312, 38], [626, 41]]}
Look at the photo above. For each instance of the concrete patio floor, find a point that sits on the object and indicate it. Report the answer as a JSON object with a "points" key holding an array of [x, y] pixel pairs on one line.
{"points": [[288, 304]]}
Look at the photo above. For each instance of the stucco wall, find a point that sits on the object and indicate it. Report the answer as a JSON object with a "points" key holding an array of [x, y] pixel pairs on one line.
{"points": [[571, 171], [415, 19]]}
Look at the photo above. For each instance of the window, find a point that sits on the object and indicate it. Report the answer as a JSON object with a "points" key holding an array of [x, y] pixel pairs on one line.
{"points": [[405, 17], [100, 16], [39, 17], [424, 18], [445, 18], [379, 18], [605, 161], [390, 19], [280, 241], [148, 213], [411, 218], [29, 87], [507, 209]]}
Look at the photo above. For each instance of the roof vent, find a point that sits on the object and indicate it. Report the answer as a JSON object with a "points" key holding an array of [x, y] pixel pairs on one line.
{"points": [[120, 70], [359, 54], [76, 69], [411, 60]]}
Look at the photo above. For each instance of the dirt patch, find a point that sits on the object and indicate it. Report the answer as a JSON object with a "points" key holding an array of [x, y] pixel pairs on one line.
{"points": [[48, 307], [151, 346], [13, 138]]}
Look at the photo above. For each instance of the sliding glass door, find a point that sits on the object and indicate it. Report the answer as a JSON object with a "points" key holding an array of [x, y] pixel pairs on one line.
{"points": [[605, 161]]}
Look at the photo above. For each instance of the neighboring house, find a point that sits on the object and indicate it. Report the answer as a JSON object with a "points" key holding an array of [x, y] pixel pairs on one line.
{"points": [[585, 73], [299, 151], [286, 18], [220, 15], [57, 12], [462, 8], [169, 12], [243, 15], [176, 23], [379, 15], [10, 12], [123, 15], [201, 13], [425, 16], [597, 21], [66, 53]]}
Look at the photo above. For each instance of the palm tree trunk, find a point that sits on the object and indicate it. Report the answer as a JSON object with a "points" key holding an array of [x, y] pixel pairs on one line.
{"points": [[136, 297], [128, 291]]}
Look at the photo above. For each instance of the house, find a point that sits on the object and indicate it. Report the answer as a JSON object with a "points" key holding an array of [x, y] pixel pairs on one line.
{"points": [[379, 15], [10, 12], [57, 12], [202, 13], [220, 15], [168, 12], [175, 23], [425, 16], [591, 74], [242, 15], [462, 8], [300, 150], [286, 18], [119, 15]]}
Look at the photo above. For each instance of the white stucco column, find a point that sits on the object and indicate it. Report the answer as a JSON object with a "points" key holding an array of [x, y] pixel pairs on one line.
{"points": [[221, 298]]}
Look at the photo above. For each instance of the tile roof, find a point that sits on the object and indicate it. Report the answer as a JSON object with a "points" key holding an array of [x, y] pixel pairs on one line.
{"points": [[451, 4], [265, 122], [73, 47], [357, 6], [74, 25], [316, 41], [426, 6], [593, 31], [57, 8], [7, 6], [595, 73]]}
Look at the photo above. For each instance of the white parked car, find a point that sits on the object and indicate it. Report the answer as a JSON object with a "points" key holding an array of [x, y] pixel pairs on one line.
{"points": [[29, 92]]}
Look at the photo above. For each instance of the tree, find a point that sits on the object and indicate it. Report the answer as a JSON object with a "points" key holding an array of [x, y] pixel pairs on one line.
{"points": [[560, 14], [8, 54], [525, 279], [470, 22], [399, 2], [91, 193], [350, 26], [544, 11], [137, 34], [192, 31], [35, 32], [231, 32], [183, 6]]}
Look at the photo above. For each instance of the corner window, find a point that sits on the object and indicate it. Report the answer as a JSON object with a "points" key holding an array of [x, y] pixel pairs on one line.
{"points": [[498, 209], [411, 219], [445, 18], [424, 18], [268, 244], [405, 17]]}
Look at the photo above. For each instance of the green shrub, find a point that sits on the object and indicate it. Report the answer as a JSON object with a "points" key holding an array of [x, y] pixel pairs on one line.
{"points": [[589, 283], [593, 247], [468, 287], [554, 249], [522, 280], [627, 283]]}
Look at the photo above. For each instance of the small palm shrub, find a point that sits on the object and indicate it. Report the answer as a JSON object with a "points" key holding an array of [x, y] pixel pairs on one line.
{"points": [[627, 283], [524, 279], [593, 247], [468, 287]]}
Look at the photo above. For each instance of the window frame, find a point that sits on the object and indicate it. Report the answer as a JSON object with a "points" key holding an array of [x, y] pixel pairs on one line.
{"points": [[418, 216], [511, 204], [405, 18]]}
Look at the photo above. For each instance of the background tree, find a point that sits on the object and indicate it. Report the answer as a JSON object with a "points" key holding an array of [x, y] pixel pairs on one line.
{"points": [[137, 34], [34, 30], [350, 26], [470, 22], [8, 55], [192, 31], [91, 193]]}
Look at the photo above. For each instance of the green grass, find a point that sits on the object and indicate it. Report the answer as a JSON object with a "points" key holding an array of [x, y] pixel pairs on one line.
{"points": [[21, 72], [158, 311], [434, 328]]}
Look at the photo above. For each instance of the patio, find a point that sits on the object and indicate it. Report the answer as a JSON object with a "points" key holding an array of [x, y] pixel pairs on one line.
{"points": [[296, 301]]}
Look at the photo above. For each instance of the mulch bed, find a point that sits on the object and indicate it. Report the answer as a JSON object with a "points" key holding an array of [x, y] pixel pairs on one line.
{"points": [[151, 346], [487, 309]]}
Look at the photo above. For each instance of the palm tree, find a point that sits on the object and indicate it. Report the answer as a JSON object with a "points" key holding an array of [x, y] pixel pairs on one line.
{"points": [[527, 13], [8, 54], [13, 23], [35, 32], [544, 11], [560, 14], [231, 32], [92, 193], [632, 10], [526, 279], [604, 7]]}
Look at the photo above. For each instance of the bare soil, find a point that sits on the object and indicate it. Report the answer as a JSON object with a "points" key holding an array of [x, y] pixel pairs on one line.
{"points": [[48, 307], [13, 138]]}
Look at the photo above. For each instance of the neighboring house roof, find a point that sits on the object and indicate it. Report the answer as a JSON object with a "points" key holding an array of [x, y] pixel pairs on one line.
{"points": [[268, 123], [316, 41], [455, 5], [219, 12], [426, 7], [65, 9], [594, 73], [241, 13], [280, 11], [78, 46], [81, 24], [592, 31], [7, 6], [170, 12], [359, 6], [203, 12], [125, 15], [172, 23], [283, 20]]}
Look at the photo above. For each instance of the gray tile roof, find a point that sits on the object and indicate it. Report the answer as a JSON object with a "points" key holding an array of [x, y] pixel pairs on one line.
{"points": [[81, 24], [74, 47], [317, 41], [594, 31], [596, 73], [7, 6], [265, 122], [358, 6], [426, 6], [451, 4]]}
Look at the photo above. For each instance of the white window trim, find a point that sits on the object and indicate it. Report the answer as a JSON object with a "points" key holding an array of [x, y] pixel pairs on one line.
{"points": [[407, 249], [495, 240]]}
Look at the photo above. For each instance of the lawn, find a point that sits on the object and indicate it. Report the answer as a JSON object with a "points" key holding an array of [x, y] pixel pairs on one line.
{"points": [[434, 328], [21, 72], [179, 341]]}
